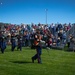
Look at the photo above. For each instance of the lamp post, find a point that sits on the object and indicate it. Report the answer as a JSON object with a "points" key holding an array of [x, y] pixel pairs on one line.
{"points": [[46, 15], [0, 5]]}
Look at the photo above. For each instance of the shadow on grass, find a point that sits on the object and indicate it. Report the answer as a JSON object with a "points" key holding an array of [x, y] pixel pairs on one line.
{"points": [[21, 62]]}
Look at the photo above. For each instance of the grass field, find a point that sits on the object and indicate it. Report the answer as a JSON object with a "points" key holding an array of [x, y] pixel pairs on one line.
{"points": [[54, 62]]}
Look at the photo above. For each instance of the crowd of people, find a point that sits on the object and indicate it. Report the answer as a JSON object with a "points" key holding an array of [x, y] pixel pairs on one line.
{"points": [[53, 35]]}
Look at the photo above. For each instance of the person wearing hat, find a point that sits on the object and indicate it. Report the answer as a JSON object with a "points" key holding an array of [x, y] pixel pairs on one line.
{"points": [[2, 42], [19, 46], [13, 42], [37, 47]]}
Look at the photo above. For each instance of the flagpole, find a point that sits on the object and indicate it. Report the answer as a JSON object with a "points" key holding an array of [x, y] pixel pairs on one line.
{"points": [[46, 15]]}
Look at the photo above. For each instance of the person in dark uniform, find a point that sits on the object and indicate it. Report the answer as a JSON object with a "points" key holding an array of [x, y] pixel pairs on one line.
{"points": [[0, 39], [19, 46], [2, 43], [13, 42], [38, 48]]}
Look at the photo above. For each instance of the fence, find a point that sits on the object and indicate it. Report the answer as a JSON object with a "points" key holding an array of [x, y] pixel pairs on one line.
{"points": [[71, 31]]}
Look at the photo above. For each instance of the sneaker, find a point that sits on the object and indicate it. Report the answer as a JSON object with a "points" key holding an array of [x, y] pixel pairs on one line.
{"points": [[32, 60], [39, 62]]}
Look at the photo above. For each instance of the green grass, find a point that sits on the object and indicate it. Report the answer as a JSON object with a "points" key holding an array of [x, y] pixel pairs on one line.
{"points": [[56, 62]]}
